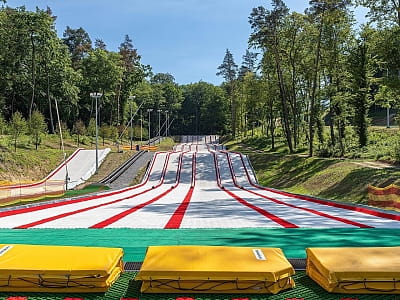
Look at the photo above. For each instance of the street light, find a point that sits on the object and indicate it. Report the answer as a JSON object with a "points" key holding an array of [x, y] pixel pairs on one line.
{"points": [[96, 95], [159, 125], [166, 123], [149, 110], [141, 128], [388, 106], [132, 98]]}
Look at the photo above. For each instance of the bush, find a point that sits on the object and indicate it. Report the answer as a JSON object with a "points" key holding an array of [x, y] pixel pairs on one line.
{"points": [[396, 150]]}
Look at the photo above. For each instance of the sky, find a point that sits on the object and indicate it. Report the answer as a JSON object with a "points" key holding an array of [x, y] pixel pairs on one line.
{"points": [[186, 38]]}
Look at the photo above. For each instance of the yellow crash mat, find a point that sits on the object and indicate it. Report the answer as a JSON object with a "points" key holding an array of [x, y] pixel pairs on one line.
{"points": [[374, 270], [215, 269], [33, 268]]}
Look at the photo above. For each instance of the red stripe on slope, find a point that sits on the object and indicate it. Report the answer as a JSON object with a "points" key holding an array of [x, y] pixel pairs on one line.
{"points": [[176, 220], [313, 211], [127, 212], [67, 202], [329, 203], [265, 213]]}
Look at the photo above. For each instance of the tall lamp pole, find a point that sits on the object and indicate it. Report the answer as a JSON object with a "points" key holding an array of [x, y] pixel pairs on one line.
{"points": [[149, 110], [166, 123], [96, 96], [388, 106], [159, 125], [132, 98], [141, 128]]}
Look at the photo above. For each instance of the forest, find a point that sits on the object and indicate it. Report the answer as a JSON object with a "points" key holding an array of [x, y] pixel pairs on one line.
{"points": [[308, 79]]}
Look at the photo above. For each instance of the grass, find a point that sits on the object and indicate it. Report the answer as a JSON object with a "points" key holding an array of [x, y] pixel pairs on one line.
{"points": [[332, 178], [339, 179], [28, 165]]}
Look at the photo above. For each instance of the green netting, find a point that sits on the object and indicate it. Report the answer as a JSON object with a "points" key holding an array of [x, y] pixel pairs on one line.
{"points": [[126, 287], [135, 241]]}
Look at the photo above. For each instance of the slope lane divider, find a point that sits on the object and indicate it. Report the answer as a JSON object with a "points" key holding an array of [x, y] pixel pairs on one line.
{"points": [[176, 220], [364, 210], [66, 214], [261, 211], [127, 212], [73, 201], [313, 211]]}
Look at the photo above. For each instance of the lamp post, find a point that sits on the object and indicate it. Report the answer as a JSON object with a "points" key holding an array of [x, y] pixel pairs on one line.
{"points": [[141, 128], [159, 125], [149, 110], [388, 106], [132, 98], [96, 96], [166, 123]]}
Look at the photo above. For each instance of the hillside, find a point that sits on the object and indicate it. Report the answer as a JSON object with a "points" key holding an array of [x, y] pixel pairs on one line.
{"points": [[341, 179], [27, 164], [331, 178]]}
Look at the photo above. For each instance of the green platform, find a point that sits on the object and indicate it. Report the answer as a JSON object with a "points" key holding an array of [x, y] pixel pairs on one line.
{"points": [[135, 241], [124, 287]]}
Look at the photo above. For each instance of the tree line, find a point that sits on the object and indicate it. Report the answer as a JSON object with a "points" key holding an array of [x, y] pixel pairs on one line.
{"points": [[42, 72], [314, 76], [309, 77]]}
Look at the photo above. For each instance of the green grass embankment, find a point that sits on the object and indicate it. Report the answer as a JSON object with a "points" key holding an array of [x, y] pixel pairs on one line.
{"points": [[337, 179]]}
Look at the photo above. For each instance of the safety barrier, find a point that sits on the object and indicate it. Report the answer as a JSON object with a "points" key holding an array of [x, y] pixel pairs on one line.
{"points": [[140, 147], [387, 197], [12, 194], [149, 148]]}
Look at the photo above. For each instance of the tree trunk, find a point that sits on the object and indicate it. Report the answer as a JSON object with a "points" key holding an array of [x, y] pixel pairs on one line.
{"points": [[285, 111], [313, 110], [331, 124], [49, 99], [341, 136], [33, 75], [272, 133], [293, 91], [233, 109], [118, 100]]}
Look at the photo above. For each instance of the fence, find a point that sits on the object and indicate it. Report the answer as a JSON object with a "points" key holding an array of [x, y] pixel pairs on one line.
{"points": [[141, 147], [387, 197], [12, 194]]}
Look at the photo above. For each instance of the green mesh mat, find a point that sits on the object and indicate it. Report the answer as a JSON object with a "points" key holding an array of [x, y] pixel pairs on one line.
{"points": [[126, 287], [135, 241]]}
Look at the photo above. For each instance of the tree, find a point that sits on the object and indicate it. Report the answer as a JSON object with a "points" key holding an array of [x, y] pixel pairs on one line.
{"points": [[323, 14], [99, 44], [78, 43], [266, 27], [228, 70], [359, 66], [102, 71], [204, 109], [17, 127], [79, 129], [162, 78], [91, 129], [382, 11], [3, 125], [133, 73], [104, 132], [37, 127], [35, 64], [249, 63]]}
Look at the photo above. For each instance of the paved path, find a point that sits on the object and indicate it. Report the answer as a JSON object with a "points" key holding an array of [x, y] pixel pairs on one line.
{"points": [[127, 177], [81, 166], [198, 185]]}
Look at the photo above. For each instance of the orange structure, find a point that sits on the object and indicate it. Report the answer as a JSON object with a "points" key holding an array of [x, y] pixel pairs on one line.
{"points": [[387, 197]]}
